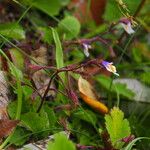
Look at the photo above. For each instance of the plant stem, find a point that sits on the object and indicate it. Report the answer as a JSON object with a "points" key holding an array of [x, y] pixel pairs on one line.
{"points": [[135, 15], [46, 91], [19, 99], [139, 8], [6, 141], [126, 46]]}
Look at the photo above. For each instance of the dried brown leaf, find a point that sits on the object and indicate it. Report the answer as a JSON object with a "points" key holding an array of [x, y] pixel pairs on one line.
{"points": [[3, 113], [7, 126], [89, 97]]}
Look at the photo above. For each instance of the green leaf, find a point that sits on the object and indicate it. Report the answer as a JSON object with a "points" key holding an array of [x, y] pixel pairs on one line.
{"points": [[113, 13], [145, 77], [85, 134], [75, 56], [132, 5], [59, 52], [117, 127], [118, 88], [87, 116], [123, 90], [12, 109], [69, 26], [137, 55], [84, 137], [35, 122], [17, 58], [12, 30], [37, 19], [17, 73], [27, 91], [13, 69], [51, 116], [61, 143], [64, 2], [50, 7], [19, 137], [46, 34]]}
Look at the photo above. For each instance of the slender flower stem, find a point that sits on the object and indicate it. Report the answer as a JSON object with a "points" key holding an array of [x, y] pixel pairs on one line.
{"points": [[106, 42], [19, 98], [135, 15], [126, 46], [141, 5], [46, 91]]}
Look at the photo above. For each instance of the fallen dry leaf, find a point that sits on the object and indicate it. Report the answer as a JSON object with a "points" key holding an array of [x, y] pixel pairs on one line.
{"points": [[7, 126], [84, 13], [3, 90], [89, 97], [3, 113], [97, 10], [40, 78], [79, 8]]}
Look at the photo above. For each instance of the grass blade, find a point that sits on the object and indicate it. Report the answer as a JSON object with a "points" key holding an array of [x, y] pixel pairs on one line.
{"points": [[59, 52], [130, 145]]}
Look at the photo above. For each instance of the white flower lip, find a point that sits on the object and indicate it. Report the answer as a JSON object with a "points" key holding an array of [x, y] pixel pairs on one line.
{"points": [[86, 48], [110, 67], [127, 27]]}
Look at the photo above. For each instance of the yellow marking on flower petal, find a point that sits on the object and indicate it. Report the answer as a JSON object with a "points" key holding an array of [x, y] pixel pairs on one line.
{"points": [[111, 68]]}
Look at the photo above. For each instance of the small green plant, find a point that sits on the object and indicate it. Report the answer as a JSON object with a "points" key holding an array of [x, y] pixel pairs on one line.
{"points": [[117, 127], [61, 142]]}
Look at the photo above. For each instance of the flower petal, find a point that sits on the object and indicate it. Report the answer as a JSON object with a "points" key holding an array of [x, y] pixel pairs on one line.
{"points": [[127, 27], [110, 67], [86, 48]]}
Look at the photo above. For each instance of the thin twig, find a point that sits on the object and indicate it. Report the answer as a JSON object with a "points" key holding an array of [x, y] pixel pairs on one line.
{"points": [[46, 91]]}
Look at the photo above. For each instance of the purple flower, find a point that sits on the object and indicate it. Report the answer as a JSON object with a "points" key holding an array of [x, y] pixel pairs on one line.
{"points": [[110, 67], [126, 24]]}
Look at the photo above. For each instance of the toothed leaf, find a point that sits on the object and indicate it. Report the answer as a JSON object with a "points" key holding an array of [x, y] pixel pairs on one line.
{"points": [[117, 127]]}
